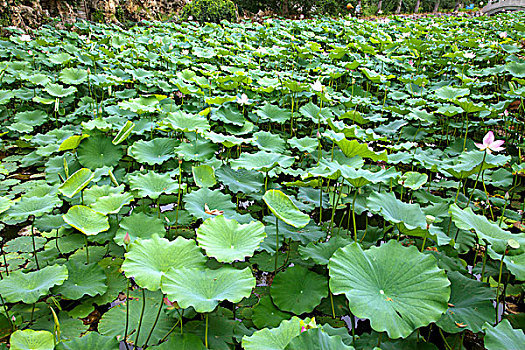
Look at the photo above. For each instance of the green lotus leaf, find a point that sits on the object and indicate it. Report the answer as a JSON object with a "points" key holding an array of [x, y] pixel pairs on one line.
{"points": [[241, 180], [112, 204], [516, 69], [469, 106], [489, 232], [181, 121], [197, 201], [140, 105], [29, 339], [227, 240], [29, 287], [275, 338], [156, 151], [24, 244], [204, 175], [83, 280], [31, 118], [298, 290], [139, 225], [59, 91], [113, 323], [115, 280], [72, 142], [321, 253], [397, 288], [395, 211], [314, 113], [470, 305], [36, 206], [269, 142], [76, 182], [73, 76], [149, 259], [265, 314], [262, 161], [451, 93], [273, 113], [60, 58], [97, 152], [5, 203], [86, 220], [354, 148], [285, 209], [304, 144], [228, 116], [317, 339], [153, 185], [39, 79], [94, 192], [362, 177], [186, 341], [123, 133], [90, 341], [203, 288], [413, 180], [503, 336], [227, 141], [201, 150]]}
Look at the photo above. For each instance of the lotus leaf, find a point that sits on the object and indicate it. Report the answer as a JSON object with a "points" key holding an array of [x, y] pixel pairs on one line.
{"points": [[29, 339], [152, 152], [285, 209], [83, 280], [86, 220], [153, 185], [76, 182]]}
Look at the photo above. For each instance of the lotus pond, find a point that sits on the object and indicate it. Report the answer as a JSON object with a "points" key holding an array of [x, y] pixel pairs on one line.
{"points": [[313, 184]]}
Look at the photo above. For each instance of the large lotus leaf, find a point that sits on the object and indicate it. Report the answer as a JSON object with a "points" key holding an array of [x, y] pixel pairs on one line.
{"points": [[204, 175], [83, 280], [5, 203], [262, 161], [57, 90], [395, 211], [32, 118], [354, 148], [298, 290], [503, 336], [197, 201], [516, 69], [203, 288], [451, 93], [273, 113], [153, 184], [156, 151], [181, 121], [413, 180], [226, 140], [469, 106], [269, 142], [29, 339], [491, 233], [111, 204], [227, 240], [141, 104], [115, 280], [73, 76], [317, 339], [149, 259], [397, 288], [36, 206], [93, 193], [139, 225], [201, 150], [265, 314], [76, 182], [275, 338], [304, 144], [24, 244], [90, 341], [285, 209], [113, 322], [97, 152], [362, 177], [241, 180], [185, 341], [29, 287], [86, 220], [470, 305], [228, 116]]}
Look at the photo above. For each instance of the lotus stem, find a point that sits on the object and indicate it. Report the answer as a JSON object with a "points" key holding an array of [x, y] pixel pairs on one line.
{"points": [[127, 316], [499, 283], [154, 323], [34, 245], [477, 178], [334, 206], [87, 249], [444, 339], [141, 317], [353, 215], [276, 242], [321, 202], [7, 312], [352, 318], [332, 303], [5, 263], [206, 333]]}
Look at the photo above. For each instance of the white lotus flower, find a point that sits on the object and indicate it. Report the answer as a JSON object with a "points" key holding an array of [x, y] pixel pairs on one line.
{"points": [[243, 100], [25, 37], [469, 55], [317, 86]]}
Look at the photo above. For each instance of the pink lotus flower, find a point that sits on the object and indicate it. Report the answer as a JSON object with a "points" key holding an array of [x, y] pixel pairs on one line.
{"points": [[490, 144]]}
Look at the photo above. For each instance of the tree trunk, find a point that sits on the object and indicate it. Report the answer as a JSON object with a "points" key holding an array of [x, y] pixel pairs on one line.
{"points": [[436, 6], [379, 6], [398, 9], [418, 3]]}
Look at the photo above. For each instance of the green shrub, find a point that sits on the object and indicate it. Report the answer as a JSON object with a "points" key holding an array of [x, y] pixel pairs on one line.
{"points": [[209, 11]]}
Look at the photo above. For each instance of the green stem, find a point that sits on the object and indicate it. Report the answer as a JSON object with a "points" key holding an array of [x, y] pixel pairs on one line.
{"points": [[141, 317], [34, 245], [276, 242], [477, 178], [206, 333], [87, 249], [154, 323], [499, 283], [444, 339], [7, 313], [321, 202], [332, 304], [127, 317], [353, 215]]}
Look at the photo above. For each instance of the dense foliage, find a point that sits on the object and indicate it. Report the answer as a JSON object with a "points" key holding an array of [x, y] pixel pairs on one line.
{"points": [[264, 186], [212, 11]]}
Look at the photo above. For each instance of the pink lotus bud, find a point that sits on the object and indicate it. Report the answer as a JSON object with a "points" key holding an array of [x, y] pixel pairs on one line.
{"points": [[127, 239]]}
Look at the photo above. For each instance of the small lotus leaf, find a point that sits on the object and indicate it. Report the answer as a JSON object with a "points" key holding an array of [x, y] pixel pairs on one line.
{"points": [[86, 220], [285, 209]]}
